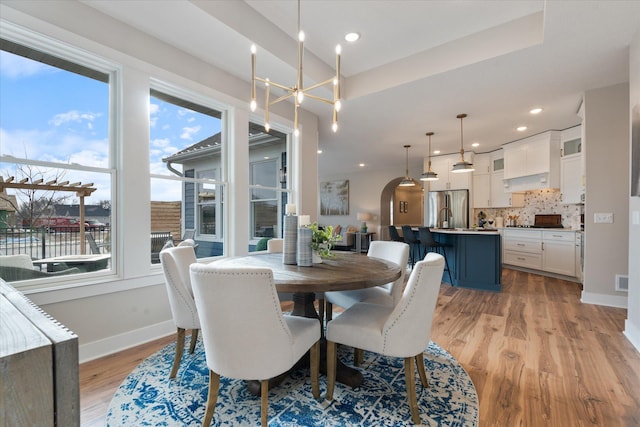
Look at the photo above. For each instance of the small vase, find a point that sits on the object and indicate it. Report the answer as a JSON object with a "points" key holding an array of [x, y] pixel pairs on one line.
{"points": [[317, 259]]}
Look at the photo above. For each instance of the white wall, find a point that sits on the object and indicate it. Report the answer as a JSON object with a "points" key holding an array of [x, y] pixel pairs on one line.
{"points": [[365, 189], [632, 325], [132, 308], [606, 130]]}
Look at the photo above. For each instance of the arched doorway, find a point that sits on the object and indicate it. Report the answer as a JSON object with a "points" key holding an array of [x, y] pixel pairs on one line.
{"points": [[400, 206]]}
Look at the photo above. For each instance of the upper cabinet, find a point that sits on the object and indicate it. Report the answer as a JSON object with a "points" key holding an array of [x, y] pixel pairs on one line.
{"points": [[488, 183], [533, 163], [448, 180], [572, 167]]}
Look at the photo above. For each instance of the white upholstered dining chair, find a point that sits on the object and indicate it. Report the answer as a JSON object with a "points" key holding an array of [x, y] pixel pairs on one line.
{"points": [[245, 334], [275, 245], [388, 294], [400, 331], [175, 264]]}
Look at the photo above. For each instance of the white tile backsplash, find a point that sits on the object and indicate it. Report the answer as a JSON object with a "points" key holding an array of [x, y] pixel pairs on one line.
{"points": [[536, 202]]}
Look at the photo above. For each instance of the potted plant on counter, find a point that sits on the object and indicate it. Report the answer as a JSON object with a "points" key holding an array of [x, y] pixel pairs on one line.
{"points": [[322, 241]]}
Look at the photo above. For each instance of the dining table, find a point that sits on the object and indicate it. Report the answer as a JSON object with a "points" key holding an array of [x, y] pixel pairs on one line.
{"points": [[342, 271]]}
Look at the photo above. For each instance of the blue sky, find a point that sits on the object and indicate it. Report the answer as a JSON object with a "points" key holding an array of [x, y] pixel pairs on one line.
{"points": [[57, 116]]}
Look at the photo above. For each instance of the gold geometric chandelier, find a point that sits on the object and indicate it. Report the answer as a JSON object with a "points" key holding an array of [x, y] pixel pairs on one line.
{"points": [[297, 91]]}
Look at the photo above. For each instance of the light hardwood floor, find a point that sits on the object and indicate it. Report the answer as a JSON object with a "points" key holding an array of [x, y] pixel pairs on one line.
{"points": [[537, 356]]}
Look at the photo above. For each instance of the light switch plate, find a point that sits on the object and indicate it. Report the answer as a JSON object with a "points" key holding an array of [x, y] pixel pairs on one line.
{"points": [[603, 218], [636, 217]]}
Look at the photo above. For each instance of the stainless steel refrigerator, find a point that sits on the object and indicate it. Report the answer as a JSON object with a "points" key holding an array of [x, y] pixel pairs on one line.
{"points": [[448, 209]]}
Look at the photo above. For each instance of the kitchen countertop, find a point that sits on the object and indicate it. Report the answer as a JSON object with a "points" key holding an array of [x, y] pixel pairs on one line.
{"points": [[465, 230], [541, 228]]}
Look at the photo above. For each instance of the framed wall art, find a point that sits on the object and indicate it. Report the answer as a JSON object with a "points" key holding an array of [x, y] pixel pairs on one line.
{"points": [[334, 197]]}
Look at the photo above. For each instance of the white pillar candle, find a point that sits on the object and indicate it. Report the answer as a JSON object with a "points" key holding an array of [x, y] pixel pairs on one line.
{"points": [[304, 220], [290, 209]]}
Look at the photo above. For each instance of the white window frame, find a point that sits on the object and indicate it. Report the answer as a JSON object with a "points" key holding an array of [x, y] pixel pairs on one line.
{"points": [[39, 42]]}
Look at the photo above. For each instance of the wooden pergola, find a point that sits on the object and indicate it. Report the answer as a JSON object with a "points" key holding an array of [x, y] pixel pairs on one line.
{"points": [[81, 190]]}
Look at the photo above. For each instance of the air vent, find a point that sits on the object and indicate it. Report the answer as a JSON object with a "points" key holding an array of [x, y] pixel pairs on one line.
{"points": [[622, 283]]}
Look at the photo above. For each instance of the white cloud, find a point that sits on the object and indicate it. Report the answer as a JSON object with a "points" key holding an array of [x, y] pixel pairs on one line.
{"points": [[14, 66], [188, 132], [73, 116], [154, 109]]}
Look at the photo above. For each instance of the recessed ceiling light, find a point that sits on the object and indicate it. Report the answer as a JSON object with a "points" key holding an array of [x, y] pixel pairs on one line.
{"points": [[361, 165], [521, 128], [352, 37], [319, 151], [436, 151], [475, 144], [537, 110]]}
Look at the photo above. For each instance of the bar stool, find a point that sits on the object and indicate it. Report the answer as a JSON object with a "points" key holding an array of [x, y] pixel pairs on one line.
{"points": [[427, 240], [413, 242], [393, 233]]}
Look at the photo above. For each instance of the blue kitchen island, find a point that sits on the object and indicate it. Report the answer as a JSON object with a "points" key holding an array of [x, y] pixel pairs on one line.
{"points": [[474, 257]]}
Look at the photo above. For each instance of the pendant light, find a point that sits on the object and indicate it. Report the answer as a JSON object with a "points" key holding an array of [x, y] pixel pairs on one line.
{"points": [[407, 181], [429, 175], [462, 166]]}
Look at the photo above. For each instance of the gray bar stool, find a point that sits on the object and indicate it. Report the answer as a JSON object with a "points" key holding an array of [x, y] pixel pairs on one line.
{"points": [[427, 240]]}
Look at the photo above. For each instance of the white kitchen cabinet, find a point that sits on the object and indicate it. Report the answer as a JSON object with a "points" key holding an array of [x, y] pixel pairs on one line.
{"points": [[571, 179], [501, 198], [482, 181], [533, 163], [482, 190], [488, 185], [558, 252], [572, 166], [448, 180], [544, 250], [522, 248]]}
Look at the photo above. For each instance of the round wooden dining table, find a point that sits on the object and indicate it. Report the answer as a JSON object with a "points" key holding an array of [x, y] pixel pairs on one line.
{"points": [[344, 271]]}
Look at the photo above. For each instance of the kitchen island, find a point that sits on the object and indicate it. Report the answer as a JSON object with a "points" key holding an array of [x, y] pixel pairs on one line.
{"points": [[474, 257]]}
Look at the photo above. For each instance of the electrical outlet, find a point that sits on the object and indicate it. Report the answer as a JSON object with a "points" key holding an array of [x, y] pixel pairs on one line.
{"points": [[603, 218]]}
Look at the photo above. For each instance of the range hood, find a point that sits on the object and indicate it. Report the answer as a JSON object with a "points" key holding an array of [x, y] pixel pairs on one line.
{"points": [[532, 163]]}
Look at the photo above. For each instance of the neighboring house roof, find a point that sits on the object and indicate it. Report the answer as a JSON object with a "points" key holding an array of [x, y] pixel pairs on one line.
{"points": [[257, 135], [74, 211]]}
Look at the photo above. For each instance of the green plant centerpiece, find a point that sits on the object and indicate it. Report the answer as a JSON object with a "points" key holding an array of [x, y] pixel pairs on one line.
{"points": [[322, 240]]}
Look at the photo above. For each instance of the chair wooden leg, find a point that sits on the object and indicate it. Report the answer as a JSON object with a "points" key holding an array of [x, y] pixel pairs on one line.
{"points": [[411, 389], [194, 340], [331, 368], [264, 392], [329, 310], [321, 308], [212, 398], [178, 357], [314, 365], [358, 356], [421, 371]]}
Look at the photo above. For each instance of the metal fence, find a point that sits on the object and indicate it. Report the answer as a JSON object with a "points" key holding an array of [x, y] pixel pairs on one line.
{"points": [[50, 242]]}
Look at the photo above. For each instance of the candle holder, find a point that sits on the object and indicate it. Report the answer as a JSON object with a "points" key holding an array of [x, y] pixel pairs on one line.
{"points": [[304, 254], [290, 240]]}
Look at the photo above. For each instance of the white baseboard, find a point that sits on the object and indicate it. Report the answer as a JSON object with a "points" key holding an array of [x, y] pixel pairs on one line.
{"points": [[632, 332], [604, 299], [113, 344]]}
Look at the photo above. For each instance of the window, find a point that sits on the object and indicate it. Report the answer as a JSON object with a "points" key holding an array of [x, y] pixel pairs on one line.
{"points": [[187, 174], [268, 181], [55, 117]]}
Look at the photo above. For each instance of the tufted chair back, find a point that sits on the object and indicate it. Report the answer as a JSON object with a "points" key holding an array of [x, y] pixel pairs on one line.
{"points": [[397, 253], [275, 245], [175, 264], [401, 333], [245, 334]]}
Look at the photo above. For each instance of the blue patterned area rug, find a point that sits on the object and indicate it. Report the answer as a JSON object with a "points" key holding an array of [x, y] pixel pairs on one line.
{"points": [[147, 397]]}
